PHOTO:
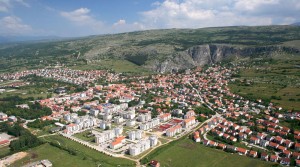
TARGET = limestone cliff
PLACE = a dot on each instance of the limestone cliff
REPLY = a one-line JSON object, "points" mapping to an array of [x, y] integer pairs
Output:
{"points": [[208, 54]]}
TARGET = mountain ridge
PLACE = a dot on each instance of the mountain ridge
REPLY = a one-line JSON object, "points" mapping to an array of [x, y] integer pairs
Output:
{"points": [[150, 49]]}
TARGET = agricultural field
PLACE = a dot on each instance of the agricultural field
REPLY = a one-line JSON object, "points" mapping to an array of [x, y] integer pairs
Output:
{"points": [[186, 153], [276, 80]]}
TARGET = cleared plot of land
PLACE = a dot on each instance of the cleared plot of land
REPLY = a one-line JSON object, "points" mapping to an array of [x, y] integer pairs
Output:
{"points": [[186, 153], [85, 156]]}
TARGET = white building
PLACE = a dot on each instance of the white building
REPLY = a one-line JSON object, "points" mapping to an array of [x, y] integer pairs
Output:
{"points": [[130, 123], [105, 136], [94, 112], [143, 145], [149, 125], [129, 115], [144, 117], [3, 117], [118, 119], [153, 140], [104, 125], [189, 122], [173, 130], [135, 135], [165, 117], [118, 131]]}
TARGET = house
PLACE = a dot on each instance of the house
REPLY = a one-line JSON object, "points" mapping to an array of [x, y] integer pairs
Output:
{"points": [[261, 136], [3, 117], [242, 150], [154, 163], [281, 148], [4, 142], [221, 146], [287, 153], [273, 145], [296, 155], [197, 137], [297, 146], [278, 139], [248, 132], [212, 143], [264, 143], [254, 140], [264, 156], [232, 139], [274, 158], [288, 143], [12, 118], [285, 161], [253, 154]]}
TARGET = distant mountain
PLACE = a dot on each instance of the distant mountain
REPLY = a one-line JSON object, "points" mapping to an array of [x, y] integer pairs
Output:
{"points": [[11, 39], [296, 24]]}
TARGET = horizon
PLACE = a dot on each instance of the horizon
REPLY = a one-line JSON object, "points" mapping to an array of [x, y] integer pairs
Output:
{"points": [[80, 19]]}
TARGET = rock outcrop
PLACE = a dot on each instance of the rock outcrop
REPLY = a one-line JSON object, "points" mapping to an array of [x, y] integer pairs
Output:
{"points": [[208, 54]]}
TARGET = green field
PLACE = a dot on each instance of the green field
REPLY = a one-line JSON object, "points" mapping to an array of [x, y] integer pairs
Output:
{"points": [[4, 150], [186, 153], [83, 136], [85, 156], [276, 80]]}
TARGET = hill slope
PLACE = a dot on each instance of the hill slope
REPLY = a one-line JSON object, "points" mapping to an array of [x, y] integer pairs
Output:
{"points": [[158, 50]]}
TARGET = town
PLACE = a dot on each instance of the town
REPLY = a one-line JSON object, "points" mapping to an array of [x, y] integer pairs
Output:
{"points": [[132, 115]]}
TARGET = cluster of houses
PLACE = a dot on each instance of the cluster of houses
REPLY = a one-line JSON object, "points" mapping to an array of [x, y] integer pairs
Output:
{"points": [[183, 90], [274, 138], [4, 117], [77, 77]]}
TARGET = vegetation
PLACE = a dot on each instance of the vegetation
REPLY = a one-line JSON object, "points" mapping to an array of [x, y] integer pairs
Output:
{"points": [[39, 123], [58, 157], [8, 106], [273, 80], [188, 153], [25, 138], [83, 154], [126, 52]]}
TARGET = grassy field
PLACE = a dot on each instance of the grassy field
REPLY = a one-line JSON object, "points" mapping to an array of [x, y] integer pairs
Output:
{"points": [[186, 153], [4, 150], [276, 80], [83, 136], [85, 156]]}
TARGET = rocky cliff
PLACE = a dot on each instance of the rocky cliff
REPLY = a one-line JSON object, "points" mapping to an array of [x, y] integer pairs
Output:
{"points": [[208, 54]]}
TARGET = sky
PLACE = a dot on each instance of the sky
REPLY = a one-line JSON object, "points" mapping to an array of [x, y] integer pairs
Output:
{"points": [[73, 18]]}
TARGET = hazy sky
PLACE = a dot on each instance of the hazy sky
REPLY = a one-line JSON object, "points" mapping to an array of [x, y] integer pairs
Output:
{"points": [[87, 17]]}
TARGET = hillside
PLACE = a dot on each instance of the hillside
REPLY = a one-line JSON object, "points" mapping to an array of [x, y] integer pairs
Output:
{"points": [[155, 50]]}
